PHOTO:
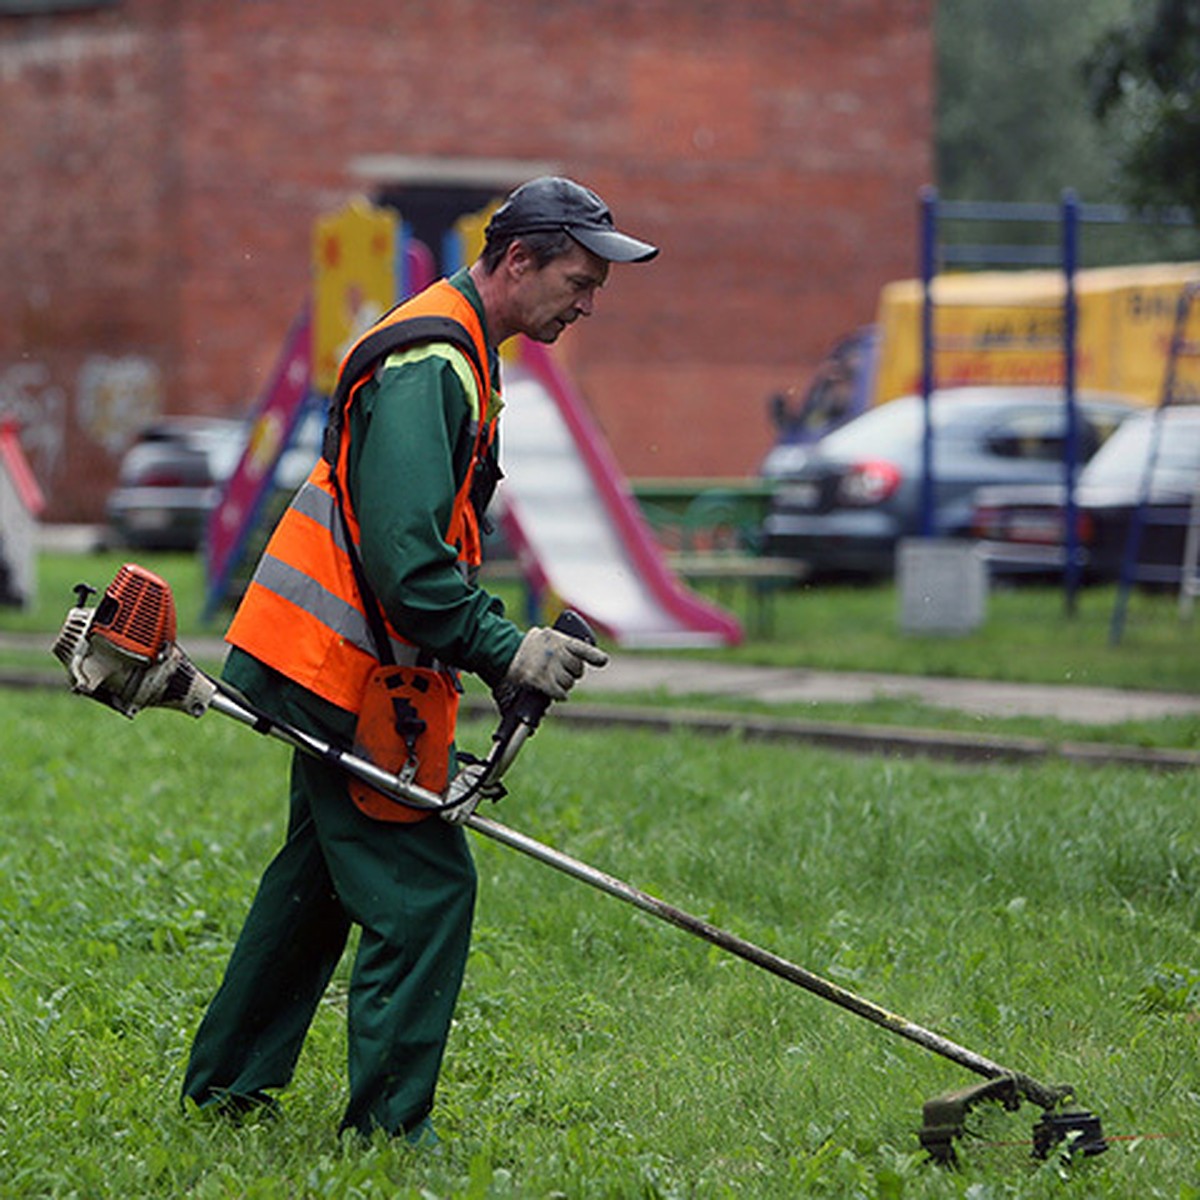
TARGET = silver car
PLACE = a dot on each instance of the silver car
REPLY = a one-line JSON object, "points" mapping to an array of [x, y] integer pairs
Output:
{"points": [[170, 479], [847, 501]]}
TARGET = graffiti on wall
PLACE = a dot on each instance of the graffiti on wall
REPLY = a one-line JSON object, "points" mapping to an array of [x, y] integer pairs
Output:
{"points": [[29, 396], [116, 397]]}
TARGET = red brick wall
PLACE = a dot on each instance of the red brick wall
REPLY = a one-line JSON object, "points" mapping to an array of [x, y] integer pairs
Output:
{"points": [[162, 165]]}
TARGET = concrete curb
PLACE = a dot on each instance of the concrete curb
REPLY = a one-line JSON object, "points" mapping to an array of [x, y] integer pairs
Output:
{"points": [[861, 739], [879, 740]]}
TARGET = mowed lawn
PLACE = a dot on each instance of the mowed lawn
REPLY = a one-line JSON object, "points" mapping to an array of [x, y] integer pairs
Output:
{"points": [[1044, 916]]}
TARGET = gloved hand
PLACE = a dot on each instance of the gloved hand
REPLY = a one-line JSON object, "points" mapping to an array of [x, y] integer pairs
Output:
{"points": [[466, 783], [551, 662]]}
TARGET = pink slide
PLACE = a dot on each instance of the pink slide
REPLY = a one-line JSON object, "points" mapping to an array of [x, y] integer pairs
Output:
{"points": [[576, 528]]}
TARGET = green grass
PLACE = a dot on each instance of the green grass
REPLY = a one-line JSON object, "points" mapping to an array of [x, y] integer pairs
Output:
{"points": [[59, 573], [1044, 916], [1027, 635]]}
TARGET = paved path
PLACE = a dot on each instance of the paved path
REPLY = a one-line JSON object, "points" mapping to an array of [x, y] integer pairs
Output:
{"points": [[684, 677], [647, 675], [642, 674], [641, 679]]}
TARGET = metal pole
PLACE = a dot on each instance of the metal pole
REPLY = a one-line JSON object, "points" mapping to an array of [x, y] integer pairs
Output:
{"points": [[1070, 246], [1038, 1093], [929, 203], [368, 772], [1188, 582]]}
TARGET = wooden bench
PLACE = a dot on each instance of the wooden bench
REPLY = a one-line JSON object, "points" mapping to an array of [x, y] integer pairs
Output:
{"points": [[761, 576], [701, 515]]}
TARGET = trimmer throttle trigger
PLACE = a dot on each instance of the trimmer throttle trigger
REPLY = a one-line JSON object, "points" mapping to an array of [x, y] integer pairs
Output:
{"points": [[573, 625]]}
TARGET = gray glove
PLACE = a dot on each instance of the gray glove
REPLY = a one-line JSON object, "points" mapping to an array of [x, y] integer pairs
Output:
{"points": [[551, 662]]}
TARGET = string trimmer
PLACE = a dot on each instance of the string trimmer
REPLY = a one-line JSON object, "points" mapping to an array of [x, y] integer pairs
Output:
{"points": [[123, 653]]}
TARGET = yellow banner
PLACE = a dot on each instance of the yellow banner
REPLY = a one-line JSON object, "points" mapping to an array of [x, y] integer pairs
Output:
{"points": [[469, 229]]}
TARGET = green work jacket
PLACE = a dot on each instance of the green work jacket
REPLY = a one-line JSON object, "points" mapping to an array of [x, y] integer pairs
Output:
{"points": [[411, 432]]}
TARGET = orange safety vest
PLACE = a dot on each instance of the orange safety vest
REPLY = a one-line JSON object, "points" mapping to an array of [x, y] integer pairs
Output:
{"points": [[303, 613]]}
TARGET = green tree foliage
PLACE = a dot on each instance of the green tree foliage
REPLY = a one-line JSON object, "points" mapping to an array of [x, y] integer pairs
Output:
{"points": [[1144, 83], [1019, 86], [1013, 117]]}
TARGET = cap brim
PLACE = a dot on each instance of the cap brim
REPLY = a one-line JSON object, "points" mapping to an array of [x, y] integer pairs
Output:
{"points": [[613, 246]]}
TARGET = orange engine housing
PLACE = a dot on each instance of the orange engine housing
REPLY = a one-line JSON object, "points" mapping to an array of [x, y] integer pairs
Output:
{"points": [[136, 614]]}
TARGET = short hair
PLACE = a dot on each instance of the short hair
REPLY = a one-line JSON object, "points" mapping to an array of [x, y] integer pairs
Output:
{"points": [[544, 244]]}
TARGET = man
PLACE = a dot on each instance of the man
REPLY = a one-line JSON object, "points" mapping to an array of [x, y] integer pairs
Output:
{"points": [[361, 609]]}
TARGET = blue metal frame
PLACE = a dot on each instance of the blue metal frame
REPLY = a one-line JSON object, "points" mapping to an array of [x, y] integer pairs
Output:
{"points": [[929, 216], [1072, 568], [1066, 255]]}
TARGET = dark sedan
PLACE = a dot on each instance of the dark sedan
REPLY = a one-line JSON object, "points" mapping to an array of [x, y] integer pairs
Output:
{"points": [[855, 494], [170, 479], [1023, 529]]}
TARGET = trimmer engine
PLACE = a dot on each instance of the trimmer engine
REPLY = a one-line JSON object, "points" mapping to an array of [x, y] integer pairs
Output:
{"points": [[123, 652]]}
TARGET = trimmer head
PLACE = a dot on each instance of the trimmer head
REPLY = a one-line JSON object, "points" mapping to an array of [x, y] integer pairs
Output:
{"points": [[946, 1117], [1079, 1128]]}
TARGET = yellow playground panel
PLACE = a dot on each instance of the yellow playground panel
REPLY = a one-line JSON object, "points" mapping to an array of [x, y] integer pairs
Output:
{"points": [[357, 275], [354, 281], [997, 327]]}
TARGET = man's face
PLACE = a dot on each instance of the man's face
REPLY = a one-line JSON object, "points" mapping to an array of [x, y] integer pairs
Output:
{"points": [[547, 299]]}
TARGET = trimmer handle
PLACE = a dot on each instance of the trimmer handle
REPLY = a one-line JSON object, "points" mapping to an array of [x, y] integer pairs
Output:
{"points": [[528, 706]]}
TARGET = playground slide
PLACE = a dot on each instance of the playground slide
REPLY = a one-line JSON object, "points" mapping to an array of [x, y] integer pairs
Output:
{"points": [[577, 531]]}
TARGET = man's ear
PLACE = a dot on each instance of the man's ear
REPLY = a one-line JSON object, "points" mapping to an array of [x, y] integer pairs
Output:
{"points": [[518, 260]]}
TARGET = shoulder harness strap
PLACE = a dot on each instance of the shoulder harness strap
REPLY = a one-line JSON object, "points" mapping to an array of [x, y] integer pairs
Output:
{"points": [[374, 346], [378, 344]]}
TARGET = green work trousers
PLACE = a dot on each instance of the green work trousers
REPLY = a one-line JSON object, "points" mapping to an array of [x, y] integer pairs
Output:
{"points": [[411, 890]]}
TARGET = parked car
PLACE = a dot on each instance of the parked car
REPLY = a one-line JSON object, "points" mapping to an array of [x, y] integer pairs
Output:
{"points": [[845, 504], [1023, 529], [169, 480]]}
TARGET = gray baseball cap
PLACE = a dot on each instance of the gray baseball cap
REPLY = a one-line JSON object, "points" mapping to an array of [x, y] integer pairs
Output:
{"points": [[552, 202]]}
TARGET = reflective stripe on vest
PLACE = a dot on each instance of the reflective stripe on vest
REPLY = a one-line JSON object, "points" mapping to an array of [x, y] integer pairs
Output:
{"points": [[302, 613], [345, 619]]}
